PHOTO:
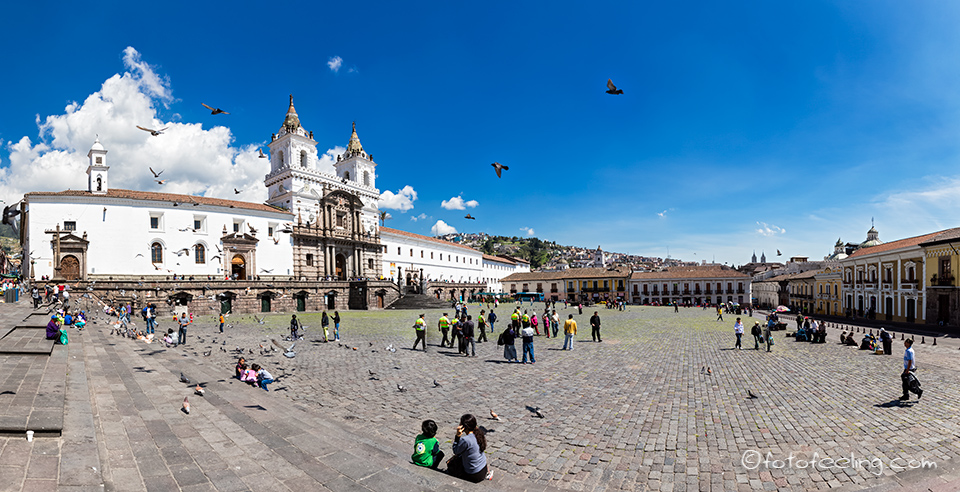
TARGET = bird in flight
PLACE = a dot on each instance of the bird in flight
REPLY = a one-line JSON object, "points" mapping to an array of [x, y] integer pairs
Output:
{"points": [[498, 167], [779, 253], [155, 174], [262, 156], [468, 216], [612, 89], [160, 181], [214, 111], [236, 191], [153, 132]]}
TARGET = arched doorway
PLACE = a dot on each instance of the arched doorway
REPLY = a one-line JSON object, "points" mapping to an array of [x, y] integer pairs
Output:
{"points": [[331, 300], [341, 267], [238, 267], [70, 267]]}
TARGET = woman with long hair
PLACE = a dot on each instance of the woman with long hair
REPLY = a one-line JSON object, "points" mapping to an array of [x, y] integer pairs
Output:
{"points": [[468, 461]]}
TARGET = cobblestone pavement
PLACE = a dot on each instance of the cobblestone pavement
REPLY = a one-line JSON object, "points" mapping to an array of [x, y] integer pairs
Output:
{"points": [[633, 412]]}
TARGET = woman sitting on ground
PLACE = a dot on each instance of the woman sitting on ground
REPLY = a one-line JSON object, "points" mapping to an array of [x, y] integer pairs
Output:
{"points": [[850, 340], [241, 366], [53, 328], [468, 461]]}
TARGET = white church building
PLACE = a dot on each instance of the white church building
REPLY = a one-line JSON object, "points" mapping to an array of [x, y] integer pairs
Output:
{"points": [[314, 226]]}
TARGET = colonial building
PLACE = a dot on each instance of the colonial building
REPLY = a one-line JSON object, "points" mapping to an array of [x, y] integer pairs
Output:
{"points": [[941, 261], [572, 284], [704, 284], [827, 283], [887, 280]]}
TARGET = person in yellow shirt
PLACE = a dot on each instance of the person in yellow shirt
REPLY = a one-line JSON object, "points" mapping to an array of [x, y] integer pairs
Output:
{"points": [[443, 324], [569, 330], [421, 327]]}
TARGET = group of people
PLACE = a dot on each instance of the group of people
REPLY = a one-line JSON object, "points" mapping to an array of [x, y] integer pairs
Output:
{"points": [[810, 330], [760, 334], [469, 443], [59, 321], [255, 375]]}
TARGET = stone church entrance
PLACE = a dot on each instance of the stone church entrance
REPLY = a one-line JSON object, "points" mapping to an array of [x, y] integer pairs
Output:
{"points": [[341, 267], [238, 267], [70, 268]]}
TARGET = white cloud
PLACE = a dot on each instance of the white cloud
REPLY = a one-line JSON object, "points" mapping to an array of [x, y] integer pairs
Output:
{"points": [[441, 228], [335, 63], [418, 217], [662, 214], [195, 160], [458, 203], [527, 230], [402, 200], [769, 229]]}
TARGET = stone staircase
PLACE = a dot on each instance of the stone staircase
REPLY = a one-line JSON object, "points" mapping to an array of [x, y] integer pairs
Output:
{"points": [[419, 301]]}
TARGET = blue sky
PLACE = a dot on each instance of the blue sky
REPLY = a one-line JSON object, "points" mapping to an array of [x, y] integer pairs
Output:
{"points": [[746, 126]]}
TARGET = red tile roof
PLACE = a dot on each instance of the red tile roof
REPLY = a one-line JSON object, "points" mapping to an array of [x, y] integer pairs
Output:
{"points": [[425, 238], [163, 197], [501, 259], [902, 243]]}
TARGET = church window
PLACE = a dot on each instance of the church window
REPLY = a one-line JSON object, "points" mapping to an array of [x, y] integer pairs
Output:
{"points": [[421, 253], [236, 226], [398, 250], [156, 253], [270, 231], [366, 178], [910, 274], [341, 217], [303, 158], [370, 264], [156, 221], [99, 160], [309, 259], [411, 252], [431, 255], [280, 158], [99, 182], [69, 225], [200, 254], [197, 225]]}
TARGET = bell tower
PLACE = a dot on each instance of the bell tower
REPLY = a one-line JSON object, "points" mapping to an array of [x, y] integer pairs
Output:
{"points": [[97, 170], [293, 155], [355, 164]]}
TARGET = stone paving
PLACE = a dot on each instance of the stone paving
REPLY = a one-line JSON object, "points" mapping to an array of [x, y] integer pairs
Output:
{"points": [[630, 413], [634, 412]]}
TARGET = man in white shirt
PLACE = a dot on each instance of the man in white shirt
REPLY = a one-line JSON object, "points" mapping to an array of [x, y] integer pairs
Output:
{"points": [[738, 329], [909, 367]]}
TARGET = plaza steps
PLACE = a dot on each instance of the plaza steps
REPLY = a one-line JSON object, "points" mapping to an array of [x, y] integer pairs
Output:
{"points": [[419, 301], [32, 374], [236, 437]]}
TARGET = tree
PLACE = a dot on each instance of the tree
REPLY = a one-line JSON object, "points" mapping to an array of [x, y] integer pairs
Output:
{"points": [[384, 216]]}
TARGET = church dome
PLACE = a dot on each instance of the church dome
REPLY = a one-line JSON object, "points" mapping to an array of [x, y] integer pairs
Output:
{"points": [[97, 145], [291, 122]]}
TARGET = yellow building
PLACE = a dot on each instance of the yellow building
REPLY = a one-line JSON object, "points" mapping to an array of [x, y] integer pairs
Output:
{"points": [[827, 285], [941, 259]]}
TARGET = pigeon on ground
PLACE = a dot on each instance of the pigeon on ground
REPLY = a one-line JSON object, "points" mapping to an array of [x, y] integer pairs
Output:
{"points": [[186, 405], [184, 378], [207, 353], [436, 384], [709, 371], [703, 370], [198, 390], [538, 412], [499, 167], [214, 110], [751, 394], [401, 388], [494, 416], [612, 89]]}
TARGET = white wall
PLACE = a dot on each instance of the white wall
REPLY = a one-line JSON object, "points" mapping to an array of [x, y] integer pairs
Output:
{"points": [[123, 231], [457, 264]]}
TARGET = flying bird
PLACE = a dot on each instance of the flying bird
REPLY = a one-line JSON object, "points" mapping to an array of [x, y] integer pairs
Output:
{"points": [[153, 132], [155, 174], [264, 270], [236, 191], [499, 167], [262, 156], [161, 181], [778, 253], [612, 89], [260, 320], [494, 416], [252, 229], [468, 216], [186, 406], [214, 111]]}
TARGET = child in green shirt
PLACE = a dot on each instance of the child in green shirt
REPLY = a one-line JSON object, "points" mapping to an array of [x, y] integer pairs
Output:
{"points": [[426, 449]]}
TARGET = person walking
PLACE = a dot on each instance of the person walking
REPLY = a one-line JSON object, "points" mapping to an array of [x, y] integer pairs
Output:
{"points": [[887, 341], [757, 334], [595, 327], [580, 308], [527, 335], [508, 340], [492, 318], [569, 331], [481, 325], [336, 326], [468, 341], [35, 295], [738, 330], [545, 319], [222, 320], [420, 327], [768, 335], [555, 323], [908, 378], [719, 313], [443, 326], [152, 319]]}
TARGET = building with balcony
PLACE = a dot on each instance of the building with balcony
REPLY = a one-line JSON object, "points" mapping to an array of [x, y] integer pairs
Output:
{"points": [[827, 282], [701, 284], [942, 264], [572, 284]]}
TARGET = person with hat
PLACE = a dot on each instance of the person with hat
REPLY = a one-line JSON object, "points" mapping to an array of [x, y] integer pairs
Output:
{"points": [[53, 328], [757, 333], [420, 327]]}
